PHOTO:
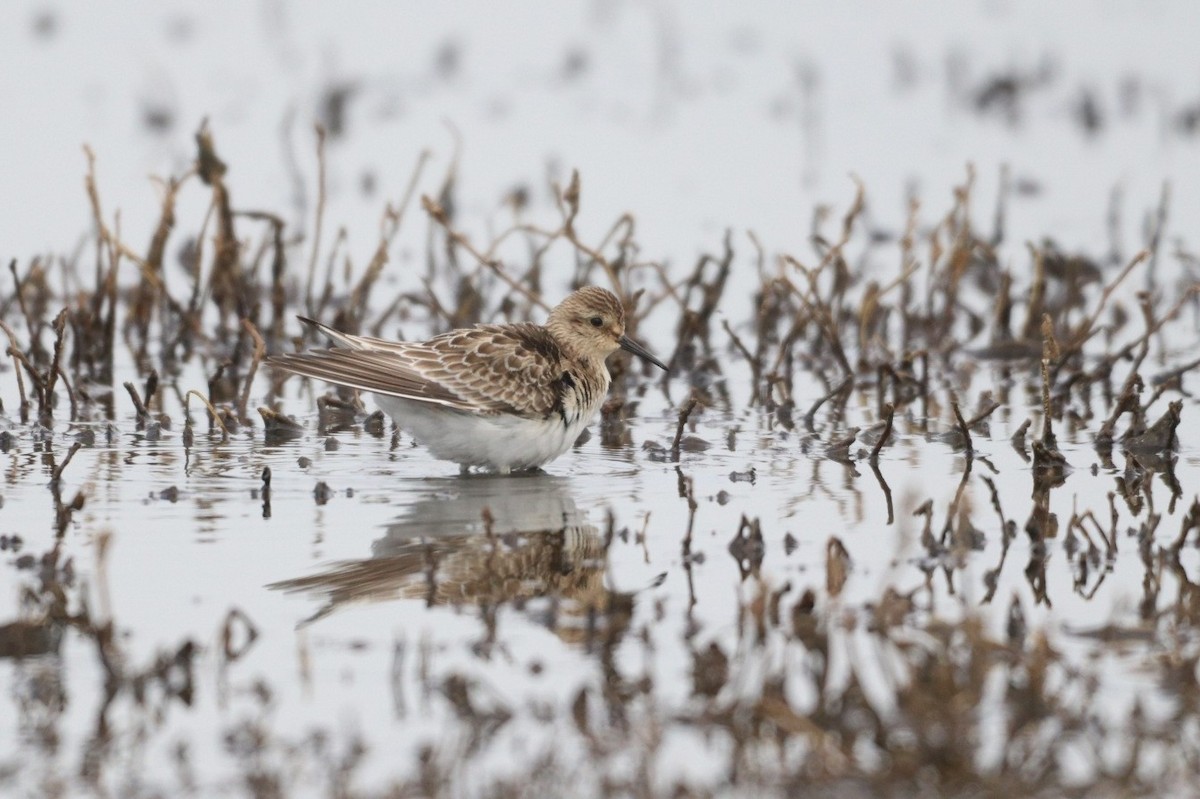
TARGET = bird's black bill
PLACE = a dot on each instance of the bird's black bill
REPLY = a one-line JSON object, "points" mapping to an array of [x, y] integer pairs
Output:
{"points": [[629, 345]]}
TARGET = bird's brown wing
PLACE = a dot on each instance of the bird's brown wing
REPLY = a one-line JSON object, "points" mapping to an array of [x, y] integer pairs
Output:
{"points": [[485, 369]]}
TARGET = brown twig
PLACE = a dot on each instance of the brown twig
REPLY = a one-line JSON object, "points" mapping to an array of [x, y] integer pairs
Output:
{"points": [[58, 470], [962, 427], [810, 417], [684, 413], [13, 350], [260, 350], [438, 214], [211, 410], [889, 411], [1085, 331], [143, 412], [318, 222]]}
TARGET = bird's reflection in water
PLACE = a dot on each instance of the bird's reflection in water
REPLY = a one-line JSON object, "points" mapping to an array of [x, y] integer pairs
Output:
{"points": [[486, 541]]}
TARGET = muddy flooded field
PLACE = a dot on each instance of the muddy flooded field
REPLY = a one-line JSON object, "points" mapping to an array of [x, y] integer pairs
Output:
{"points": [[914, 512]]}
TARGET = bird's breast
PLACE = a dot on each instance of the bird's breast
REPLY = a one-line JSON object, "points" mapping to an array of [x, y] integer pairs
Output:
{"points": [[581, 394]]}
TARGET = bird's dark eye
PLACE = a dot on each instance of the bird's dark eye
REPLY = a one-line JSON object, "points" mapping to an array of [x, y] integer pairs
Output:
{"points": [[596, 321]]}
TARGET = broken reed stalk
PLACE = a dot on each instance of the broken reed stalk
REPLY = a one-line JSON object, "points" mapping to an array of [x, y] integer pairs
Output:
{"points": [[106, 281], [684, 413], [995, 498], [212, 412], [70, 394], [685, 546], [226, 280], [984, 412], [46, 412], [1018, 437], [1037, 292], [197, 296], [260, 350], [156, 252], [1110, 541], [887, 489], [318, 223], [810, 417], [1049, 464], [56, 476], [14, 351], [151, 389], [60, 326], [143, 413], [962, 427], [32, 326], [1049, 353], [110, 293], [889, 412], [1128, 399], [152, 291], [1191, 521], [35, 377]]}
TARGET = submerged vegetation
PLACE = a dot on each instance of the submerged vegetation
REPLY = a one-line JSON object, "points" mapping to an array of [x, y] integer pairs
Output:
{"points": [[928, 682]]}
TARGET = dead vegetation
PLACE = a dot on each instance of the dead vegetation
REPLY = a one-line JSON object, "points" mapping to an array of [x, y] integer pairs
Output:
{"points": [[815, 695]]}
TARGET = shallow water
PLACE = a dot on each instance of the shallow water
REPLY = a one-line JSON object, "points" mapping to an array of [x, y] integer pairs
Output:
{"points": [[364, 602]]}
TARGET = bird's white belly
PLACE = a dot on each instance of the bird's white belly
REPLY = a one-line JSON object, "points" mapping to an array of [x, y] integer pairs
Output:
{"points": [[500, 441]]}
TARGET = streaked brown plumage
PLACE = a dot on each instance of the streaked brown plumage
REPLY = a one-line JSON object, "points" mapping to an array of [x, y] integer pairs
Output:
{"points": [[499, 396]]}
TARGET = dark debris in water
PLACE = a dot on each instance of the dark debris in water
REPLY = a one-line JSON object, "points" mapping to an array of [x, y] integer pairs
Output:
{"points": [[322, 493]]}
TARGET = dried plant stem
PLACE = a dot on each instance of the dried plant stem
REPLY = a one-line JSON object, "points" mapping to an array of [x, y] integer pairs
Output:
{"points": [[58, 470], [889, 412], [260, 350], [438, 214], [30, 324], [143, 412], [754, 363], [318, 222], [684, 413], [810, 417], [570, 197], [14, 350], [962, 427], [211, 410], [35, 377], [60, 326], [1047, 430], [1080, 337]]}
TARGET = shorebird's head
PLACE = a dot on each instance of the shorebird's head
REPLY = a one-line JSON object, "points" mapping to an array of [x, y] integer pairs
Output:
{"points": [[591, 322]]}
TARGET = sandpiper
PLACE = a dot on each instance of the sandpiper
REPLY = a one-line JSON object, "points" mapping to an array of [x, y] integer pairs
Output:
{"points": [[501, 397]]}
